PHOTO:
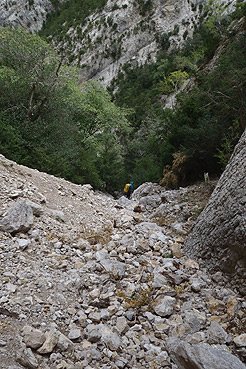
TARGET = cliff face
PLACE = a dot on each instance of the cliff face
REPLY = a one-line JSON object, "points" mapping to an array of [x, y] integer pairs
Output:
{"points": [[132, 36], [27, 13], [132, 32], [124, 32]]}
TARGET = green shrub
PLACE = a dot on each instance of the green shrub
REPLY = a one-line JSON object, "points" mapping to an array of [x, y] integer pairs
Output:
{"points": [[115, 7]]}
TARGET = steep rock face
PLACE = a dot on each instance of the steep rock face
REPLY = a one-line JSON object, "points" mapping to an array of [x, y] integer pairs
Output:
{"points": [[124, 32], [128, 35], [26, 13], [220, 233], [128, 32]]}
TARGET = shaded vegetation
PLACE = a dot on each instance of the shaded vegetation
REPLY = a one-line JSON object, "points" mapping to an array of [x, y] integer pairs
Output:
{"points": [[198, 128], [49, 123]]}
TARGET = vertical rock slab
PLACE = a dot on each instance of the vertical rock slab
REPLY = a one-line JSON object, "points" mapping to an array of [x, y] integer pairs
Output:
{"points": [[219, 236]]}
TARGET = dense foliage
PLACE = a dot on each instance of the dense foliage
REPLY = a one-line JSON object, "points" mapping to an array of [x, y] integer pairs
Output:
{"points": [[203, 127], [49, 123], [69, 14]]}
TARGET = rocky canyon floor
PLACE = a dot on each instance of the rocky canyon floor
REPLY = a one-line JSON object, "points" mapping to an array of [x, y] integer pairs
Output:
{"points": [[91, 282]]}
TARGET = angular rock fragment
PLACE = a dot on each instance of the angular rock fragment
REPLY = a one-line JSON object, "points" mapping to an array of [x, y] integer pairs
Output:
{"points": [[50, 343], [240, 340], [110, 338], [64, 343], [26, 358], [114, 267], [200, 356], [19, 218], [33, 338], [37, 209], [216, 334], [74, 334], [164, 305]]}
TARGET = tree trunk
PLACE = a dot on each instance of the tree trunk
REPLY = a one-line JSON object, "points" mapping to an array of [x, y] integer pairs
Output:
{"points": [[219, 236]]}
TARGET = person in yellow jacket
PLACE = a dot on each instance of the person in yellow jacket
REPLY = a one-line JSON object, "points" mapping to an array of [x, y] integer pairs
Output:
{"points": [[128, 189]]}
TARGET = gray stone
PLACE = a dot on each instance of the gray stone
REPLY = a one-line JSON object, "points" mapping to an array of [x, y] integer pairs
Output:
{"points": [[19, 218], [159, 280], [196, 284], [11, 287], [114, 267], [178, 227], [146, 189], [162, 359], [64, 343], [121, 324], [120, 364], [195, 319], [23, 243], [95, 316], [14, 195], [58, 215], [94, 335], [240, 341], [197, 337], [148, 228], [104, 315], [26, 358], [130, 315], [124, 202], [74, 334], [164, 305], [216, 334], [33, 338], [150, 202], [101, 254], [200, 356], [218, 237], [51, 340], [36, 208], [91, 354], [110, 338]]}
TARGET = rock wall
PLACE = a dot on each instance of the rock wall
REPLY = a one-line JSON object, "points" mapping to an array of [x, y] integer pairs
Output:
{"points": [[124, 32], [219, 236], [26, 13], [126, 35]]}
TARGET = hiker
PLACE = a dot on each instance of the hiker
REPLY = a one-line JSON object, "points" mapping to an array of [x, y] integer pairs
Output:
{"points": [[128, 189]]}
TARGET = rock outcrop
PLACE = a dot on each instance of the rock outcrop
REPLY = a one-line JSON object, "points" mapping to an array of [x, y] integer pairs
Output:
{"points": [[123, 32], [25, 13], [131, 32], [219, 236]]}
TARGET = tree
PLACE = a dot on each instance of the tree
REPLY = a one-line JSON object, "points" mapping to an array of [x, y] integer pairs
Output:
{"points": [[54, 124], [173, 81], [33, 69], [102, 129], [215, 15]]}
